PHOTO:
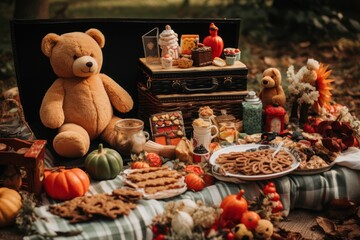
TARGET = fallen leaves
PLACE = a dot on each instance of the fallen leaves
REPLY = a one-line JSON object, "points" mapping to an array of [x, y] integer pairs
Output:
{"points": [[342, 220], [348, 229]]}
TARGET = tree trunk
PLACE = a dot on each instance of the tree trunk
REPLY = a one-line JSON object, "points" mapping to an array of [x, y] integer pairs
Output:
{"points": [[31, 9], [304, 113]]}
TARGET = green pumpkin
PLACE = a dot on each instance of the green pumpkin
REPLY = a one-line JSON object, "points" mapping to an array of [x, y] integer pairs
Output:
{"points": [[103, 163]]}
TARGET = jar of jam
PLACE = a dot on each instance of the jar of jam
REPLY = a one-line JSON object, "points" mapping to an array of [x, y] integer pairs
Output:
{"points": [[252, 113]]}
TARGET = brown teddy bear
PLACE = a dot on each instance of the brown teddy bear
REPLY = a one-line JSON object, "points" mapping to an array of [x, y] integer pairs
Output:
{"points": [[79, 102], [271, 92]]}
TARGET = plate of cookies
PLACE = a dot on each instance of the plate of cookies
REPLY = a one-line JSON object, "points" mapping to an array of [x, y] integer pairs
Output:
{"points": [[156, 182], [314, 165], [252, 162]]}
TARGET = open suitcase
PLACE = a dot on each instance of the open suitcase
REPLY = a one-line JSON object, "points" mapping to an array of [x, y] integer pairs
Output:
{"points": [[121, 53]]}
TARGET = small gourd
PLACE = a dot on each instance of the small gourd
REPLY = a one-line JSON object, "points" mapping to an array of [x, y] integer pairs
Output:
{"points": [[66, 184], [103, 163], [10, 204]]}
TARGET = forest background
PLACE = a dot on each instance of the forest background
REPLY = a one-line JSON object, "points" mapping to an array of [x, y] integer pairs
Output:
{"points": [[274, 33]]}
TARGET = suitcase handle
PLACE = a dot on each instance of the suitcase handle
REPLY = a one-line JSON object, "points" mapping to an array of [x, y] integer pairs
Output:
{"points": [[214, 82]]}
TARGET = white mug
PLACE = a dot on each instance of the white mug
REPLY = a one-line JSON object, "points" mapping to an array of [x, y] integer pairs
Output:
{"points": [[204, 135]]}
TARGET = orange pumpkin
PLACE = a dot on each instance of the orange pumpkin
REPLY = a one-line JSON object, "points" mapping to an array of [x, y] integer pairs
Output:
{"points": [[10, 204], [65, 184], [139, 164], [194, 182], [233, 206], [250, 219]]}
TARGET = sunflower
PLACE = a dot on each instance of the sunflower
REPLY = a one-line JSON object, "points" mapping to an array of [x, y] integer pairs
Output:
{"points": [[324, 88]]}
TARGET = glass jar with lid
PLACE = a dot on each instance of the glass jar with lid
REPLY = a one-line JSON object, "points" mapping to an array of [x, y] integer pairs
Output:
{"points": [[252, 113]]}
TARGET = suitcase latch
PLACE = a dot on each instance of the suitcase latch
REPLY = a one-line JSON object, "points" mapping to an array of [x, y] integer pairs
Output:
{"points": [[176, 85], [227, 81]]}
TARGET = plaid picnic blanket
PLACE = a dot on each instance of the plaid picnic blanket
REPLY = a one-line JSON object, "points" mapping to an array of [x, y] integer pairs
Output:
{"points": [[296, 191]]}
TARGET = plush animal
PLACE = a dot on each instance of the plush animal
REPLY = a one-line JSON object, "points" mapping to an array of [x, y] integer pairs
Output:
{"points": [[80, 101], [264, 229], [271, 92], [310, 75]]}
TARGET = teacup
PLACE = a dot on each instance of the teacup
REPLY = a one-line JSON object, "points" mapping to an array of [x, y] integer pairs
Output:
{"points": [[203, 135], [130, 136]]}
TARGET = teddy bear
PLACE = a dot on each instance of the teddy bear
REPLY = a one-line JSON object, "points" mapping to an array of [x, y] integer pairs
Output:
{"points": [[310, 72], [80, 101], [271, 92]]}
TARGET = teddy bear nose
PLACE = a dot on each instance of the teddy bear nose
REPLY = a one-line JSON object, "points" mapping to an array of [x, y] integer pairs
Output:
{"points": [[89, 64], [265, 82]]}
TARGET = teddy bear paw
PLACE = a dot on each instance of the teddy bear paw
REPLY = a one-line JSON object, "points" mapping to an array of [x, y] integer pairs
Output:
{"points": [[71, 144]]}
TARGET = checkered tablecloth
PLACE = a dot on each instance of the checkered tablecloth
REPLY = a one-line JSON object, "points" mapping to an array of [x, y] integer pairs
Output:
{"points": [[296, 191]]}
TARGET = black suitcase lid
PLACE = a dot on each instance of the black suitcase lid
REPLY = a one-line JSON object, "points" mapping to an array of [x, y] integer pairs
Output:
{"points": [[122, 50]]}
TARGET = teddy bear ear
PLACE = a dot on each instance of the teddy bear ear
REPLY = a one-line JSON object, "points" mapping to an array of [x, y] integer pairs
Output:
{"points": [[97, 36], [48, 42], [276, 72]]}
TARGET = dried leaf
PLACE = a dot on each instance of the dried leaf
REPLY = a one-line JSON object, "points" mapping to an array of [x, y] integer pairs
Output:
{"points": [[338, 81], [327, 54], [287, 61], [355, 24], [305, 44], [327, 225], [270, 61]]}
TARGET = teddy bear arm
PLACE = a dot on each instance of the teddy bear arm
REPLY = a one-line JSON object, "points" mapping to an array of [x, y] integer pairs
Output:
{"points": [[51, 111], [260, 94], [280, 97], [118, 96]]}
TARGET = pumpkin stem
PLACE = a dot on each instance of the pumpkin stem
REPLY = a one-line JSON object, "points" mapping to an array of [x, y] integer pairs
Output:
{"points": [[100, 149], [240, 194]]}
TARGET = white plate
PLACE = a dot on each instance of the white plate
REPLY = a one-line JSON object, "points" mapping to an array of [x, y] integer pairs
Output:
{"points": [[312, 171], [161, 194], [243, 148]]}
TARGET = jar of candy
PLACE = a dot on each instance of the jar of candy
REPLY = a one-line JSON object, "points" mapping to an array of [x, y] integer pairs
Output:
{"points": [[252, 113]]}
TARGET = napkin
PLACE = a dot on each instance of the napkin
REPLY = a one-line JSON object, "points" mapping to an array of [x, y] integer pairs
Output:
{"points": [[349, 158]]}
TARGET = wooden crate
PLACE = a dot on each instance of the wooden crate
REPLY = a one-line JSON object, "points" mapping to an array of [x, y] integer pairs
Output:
{"points": [[32, 161]]}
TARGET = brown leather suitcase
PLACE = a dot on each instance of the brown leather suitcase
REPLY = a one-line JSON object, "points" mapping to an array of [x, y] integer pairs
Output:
{"points": [[204, 79]]}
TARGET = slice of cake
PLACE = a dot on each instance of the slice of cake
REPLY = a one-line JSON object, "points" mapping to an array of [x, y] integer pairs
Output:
{"points": [[201, 55]]}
